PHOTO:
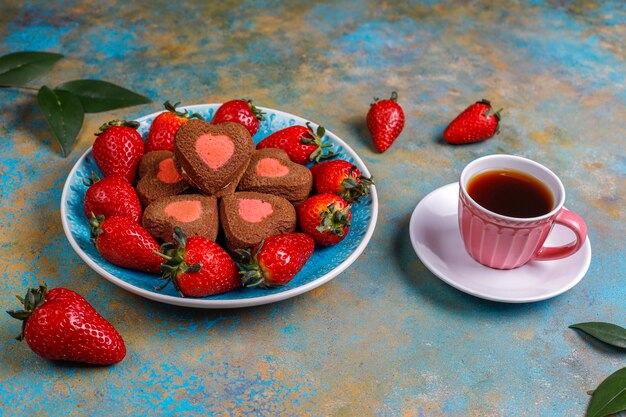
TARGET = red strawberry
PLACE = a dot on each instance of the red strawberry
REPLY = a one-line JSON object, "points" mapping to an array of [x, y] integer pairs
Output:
{"points": [[125, 243], [111, 196], [342, 178], [198, 267], [385, 121], [164, 127], [276, 260], [118, 149], [325, 217], [61, 325], [476, 123], [301, 143], [239, 111]]}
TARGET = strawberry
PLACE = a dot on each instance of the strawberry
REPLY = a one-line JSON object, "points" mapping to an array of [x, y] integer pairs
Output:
{"points": [[239, 111], [164, 127], [301, 143], [385, 121], [118, 149], [342, 178], [111, 196], [61, 325], [198, 267], [276, 260], [125, 243], [325, 217], [476, 123]]}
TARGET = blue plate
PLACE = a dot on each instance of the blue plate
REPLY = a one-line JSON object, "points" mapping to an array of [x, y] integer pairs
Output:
{"points": [[324, 264]]}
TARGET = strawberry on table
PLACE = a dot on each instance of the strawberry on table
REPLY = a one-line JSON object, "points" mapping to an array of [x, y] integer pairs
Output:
{"points": [[342, 178], [302, 143], [111, 196], [239, 111], [125, 243], [164, 127], [118, 149], [197, 266], [276, 260], [385, 121], [476, 123], [325, 217], [61, 325]]}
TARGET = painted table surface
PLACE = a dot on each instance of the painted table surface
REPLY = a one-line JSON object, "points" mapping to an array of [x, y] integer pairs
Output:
{"points": [[386, 337]]}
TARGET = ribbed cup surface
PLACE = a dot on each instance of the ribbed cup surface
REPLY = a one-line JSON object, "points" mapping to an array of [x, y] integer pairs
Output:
{"points": [[500, 243]]}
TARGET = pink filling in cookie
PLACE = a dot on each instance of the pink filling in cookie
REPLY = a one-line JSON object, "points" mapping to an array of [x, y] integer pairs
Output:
{"points": [[184, 211], [215, 150], [167, 172], [271, 167], [254, 211]]}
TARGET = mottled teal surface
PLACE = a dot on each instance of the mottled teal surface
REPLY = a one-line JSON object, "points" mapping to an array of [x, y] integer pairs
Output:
{"points": [[386, 337]]}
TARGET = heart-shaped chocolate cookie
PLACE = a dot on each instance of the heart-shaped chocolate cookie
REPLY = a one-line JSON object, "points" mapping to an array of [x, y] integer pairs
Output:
{"points": [[271, 171], [158, 177], [196, 214], [249, 217], [212, 158]]}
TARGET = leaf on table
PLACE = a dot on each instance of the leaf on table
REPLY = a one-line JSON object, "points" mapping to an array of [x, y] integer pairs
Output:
{"points": [[610, 396], [18, 68], [64, 114], [98, 96], [609, 333]]}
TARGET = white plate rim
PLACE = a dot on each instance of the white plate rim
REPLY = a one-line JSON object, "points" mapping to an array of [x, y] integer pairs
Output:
{"points": [[468, 290], [235, 303]]}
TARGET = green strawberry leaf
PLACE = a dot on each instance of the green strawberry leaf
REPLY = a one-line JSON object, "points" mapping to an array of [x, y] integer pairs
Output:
{"points": [[18, 68], [609, 333], [610, 396], [97, 96], [64, 114]]}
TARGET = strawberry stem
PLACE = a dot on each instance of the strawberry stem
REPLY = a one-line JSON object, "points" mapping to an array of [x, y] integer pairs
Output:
{"points": [[31, 301], [258, 113], [127, 123], [334, 220], [91, 180], [95, 224], [174, 264], [355, 187], [251, 274], [316, 139], [172, 109]]}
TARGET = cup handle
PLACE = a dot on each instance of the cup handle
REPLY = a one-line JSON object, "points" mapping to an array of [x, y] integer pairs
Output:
{"points": [[577, 225]]}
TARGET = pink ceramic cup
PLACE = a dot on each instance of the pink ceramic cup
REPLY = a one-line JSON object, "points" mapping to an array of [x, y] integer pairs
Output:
{"points": [[504, 242]]}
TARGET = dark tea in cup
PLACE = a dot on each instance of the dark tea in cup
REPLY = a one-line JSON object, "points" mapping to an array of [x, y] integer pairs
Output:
{"points": [[510, 193]]}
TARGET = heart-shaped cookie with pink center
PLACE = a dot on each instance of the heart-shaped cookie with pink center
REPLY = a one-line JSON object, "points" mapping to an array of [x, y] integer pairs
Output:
{"points": [[196, 214], [248, 217], [158, 177], [271, 171], [212, 157]]}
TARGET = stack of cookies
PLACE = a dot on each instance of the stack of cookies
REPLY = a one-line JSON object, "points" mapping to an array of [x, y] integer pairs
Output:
{"points": [[215, 177]]}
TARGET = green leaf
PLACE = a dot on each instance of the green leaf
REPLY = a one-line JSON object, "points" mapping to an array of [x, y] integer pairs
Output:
{"points": [[609, 333], [64, 114], [610, 396], [98, 96], [18, 68]]}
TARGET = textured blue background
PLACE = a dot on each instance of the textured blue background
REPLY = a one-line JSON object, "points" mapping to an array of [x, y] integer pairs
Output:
{"points": [[386, 337]]}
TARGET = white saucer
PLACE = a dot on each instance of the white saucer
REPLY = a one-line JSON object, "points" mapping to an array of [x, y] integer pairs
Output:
{"points": [[435, 236]]}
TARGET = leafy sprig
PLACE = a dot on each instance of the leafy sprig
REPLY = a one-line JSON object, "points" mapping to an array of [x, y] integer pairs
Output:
{"points": [[64, 106], [610, 396]]}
